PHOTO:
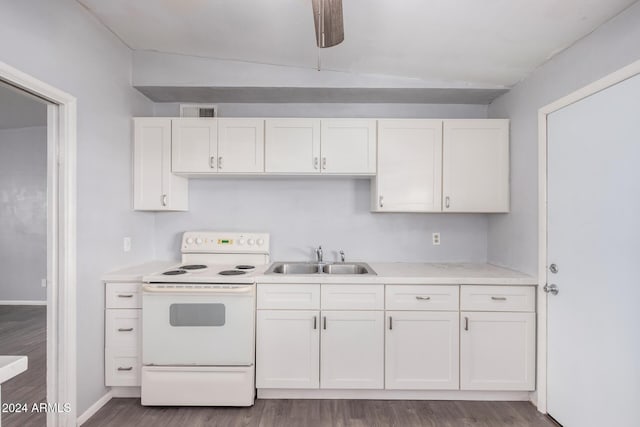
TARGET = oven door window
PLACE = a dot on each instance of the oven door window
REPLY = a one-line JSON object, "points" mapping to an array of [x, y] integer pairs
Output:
{"points": [[211, 314]]}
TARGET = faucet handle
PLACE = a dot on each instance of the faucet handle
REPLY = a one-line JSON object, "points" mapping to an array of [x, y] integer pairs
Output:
{"points": [[342, 257]]}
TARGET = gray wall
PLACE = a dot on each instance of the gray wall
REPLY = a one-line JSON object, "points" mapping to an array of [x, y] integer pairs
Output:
{"points": [[61, 43], [23, 213], [513, 238], [301, 213]]}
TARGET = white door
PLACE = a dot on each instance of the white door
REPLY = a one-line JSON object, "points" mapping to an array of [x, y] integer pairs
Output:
{"points": [[409, 175], [292, 145], [475, 170], [194, 145], [352, 350], [422, 350], [348, 146], [288, 349], [497, 351], [593, 376], [240, 145]]}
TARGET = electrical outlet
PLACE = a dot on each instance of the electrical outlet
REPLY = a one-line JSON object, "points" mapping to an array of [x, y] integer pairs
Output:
{"points": [[126, 244], [436, 239]]}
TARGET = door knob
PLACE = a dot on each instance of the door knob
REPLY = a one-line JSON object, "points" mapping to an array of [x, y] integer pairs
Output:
{"points": [[551, 289]]}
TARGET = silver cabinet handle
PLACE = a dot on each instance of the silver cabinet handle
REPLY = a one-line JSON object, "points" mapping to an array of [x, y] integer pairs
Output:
{"points": [[125, 329], [212, 162], [551, 289], [390, 323], [128, 368], [499, 298], [164, 200], [381, 201], [421, 298], [466, 323], [324, 322], [315, 322], [447, 202], [125, 295], [315, 163], [220, 162], [324, 163]]}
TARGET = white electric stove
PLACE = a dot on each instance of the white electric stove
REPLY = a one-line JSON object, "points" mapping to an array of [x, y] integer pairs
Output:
{"points": [[198, 322]]}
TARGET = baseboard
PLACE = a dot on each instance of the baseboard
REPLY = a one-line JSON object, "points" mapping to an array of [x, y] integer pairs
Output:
{"points": [[393, 394], [22, 302], [84, 417], [125, 391]]}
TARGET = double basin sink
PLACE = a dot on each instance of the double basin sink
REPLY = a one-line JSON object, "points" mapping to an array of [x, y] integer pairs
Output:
{"points": [[320, 268]]}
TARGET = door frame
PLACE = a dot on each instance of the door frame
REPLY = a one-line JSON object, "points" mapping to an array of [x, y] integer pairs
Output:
{"points": [[540, 395], [61, 241]]}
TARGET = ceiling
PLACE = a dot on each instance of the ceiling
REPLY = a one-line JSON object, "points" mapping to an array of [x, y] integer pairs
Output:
{"points": [[490, 42], [19, 110]]}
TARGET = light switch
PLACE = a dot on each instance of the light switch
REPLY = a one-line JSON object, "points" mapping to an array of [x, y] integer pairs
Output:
{"points": [[126, 244]]}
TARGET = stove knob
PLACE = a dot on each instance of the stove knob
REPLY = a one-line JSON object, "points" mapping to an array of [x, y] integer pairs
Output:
{"points": [[250, 242], [260, 242], [241, 242], [189, 240], [198, 241]]}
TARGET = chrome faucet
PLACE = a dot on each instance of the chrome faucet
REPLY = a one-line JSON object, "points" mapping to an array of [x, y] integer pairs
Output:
{"points": [[319, 255], [341, 256]]}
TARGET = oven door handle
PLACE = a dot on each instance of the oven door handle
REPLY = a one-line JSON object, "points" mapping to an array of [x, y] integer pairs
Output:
{"points": [[149, 288]]}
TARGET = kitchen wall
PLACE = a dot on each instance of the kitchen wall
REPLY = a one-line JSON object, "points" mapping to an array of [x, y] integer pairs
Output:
{"points": [[60, 43], [513, 238], [301, 213], [23, 212]]}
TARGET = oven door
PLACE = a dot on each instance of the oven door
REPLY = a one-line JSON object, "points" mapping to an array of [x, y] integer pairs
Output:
{"points": [[204, 325]]}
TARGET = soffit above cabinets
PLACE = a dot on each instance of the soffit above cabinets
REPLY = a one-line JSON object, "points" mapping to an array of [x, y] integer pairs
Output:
{"points": [[477, 42]]}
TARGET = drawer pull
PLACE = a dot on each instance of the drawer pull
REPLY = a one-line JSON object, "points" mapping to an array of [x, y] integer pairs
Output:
{"points": [[421, 298], [125, 295], [128, 368], [125, 329], [499, 298]]}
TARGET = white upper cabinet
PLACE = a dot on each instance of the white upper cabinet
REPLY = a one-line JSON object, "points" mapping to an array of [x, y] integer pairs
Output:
{"points": [[476, 166], [155, 188], [240, 145], [409, 177], [292, 146], [194, 145], [348, 146]]}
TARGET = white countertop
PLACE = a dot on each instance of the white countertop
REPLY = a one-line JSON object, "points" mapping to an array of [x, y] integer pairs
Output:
{"points": [[10, 366], [387, 273]]}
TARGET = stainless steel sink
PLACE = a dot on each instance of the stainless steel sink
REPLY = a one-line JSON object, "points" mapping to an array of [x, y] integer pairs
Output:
{"points": [[318, 268], [348, 268]]}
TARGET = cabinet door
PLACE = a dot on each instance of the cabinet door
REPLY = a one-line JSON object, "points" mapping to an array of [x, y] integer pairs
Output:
{"points": [[476, 166], [348, 146], [422, 350], [240, 145], [409, 175], [194, 145], [352, 350], [292, 145], [154, 186], [287, 349], [497, 351]]}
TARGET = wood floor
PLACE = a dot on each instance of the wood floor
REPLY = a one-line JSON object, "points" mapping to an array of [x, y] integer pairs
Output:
{"points": [[338, 413], [23, 332]]}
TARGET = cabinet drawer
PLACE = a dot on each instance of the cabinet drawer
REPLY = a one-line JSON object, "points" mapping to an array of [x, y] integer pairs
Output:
{"points": [[122, 328], [123, 295], [497, 298], [122, 367], [422, 297], [288, 297], [352, 297]]}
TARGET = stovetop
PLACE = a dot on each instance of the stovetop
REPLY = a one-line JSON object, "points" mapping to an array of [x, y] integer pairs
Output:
{"points": [[207, 273]]}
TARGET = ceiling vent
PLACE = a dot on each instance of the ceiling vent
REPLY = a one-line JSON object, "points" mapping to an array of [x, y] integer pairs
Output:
{"points": [[198, 110]]}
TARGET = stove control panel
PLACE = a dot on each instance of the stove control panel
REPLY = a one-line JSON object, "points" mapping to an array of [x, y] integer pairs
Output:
{"points": [[224, 242]]}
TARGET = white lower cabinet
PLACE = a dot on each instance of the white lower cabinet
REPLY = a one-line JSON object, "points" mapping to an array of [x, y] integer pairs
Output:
{"points": [[288, 349], [497, 351], [422, 350], [352, 350]]}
